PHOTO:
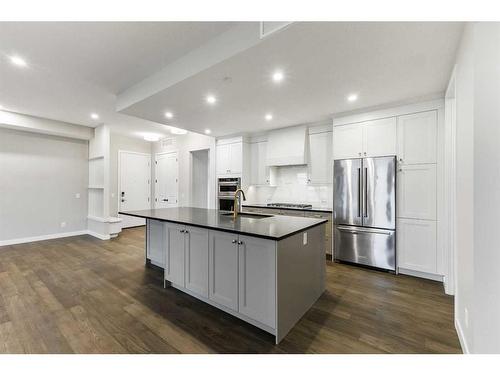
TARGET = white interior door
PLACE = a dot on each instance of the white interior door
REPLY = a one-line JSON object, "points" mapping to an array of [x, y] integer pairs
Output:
{"points": [[167, 177], [134, 180]]}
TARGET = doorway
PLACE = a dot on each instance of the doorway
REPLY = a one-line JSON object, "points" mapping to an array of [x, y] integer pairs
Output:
{"points": [[166, 180], [200, 178], [134, 190]]}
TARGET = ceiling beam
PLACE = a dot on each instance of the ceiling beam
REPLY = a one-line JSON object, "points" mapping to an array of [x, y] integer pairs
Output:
{"points": [[218, 49], [40, 125]]}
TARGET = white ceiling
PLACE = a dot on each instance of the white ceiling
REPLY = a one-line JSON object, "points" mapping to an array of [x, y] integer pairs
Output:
{"points": [[323, 63], [78, 68]]}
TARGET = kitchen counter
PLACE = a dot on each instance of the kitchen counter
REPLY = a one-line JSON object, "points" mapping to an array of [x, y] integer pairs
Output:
{"points": [[267, 271], [313, 209], [273, 228]]}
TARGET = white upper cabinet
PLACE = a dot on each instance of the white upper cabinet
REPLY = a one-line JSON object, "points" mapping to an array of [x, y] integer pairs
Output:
{"points": [[259, 171], [348, 141], [417, 191], [379, 137], [365, 139], [223, 159], [417, 138], [320, 151], [229, 158], [236, 158], [416, 245]]}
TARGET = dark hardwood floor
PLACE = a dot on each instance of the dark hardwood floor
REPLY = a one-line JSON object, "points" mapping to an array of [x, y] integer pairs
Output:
{"points": [[84, 295]]}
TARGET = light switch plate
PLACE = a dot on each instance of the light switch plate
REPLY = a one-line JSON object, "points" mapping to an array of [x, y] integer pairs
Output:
{"points": [[77, 195], [304, 238]]}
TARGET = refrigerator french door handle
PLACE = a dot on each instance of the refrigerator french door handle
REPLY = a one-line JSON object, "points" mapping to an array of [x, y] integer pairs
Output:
{"points": [[365, 203], [360, 197]]}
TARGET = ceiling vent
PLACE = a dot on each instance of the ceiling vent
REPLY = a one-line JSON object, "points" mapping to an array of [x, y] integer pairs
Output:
{"points": [[269, 27]]}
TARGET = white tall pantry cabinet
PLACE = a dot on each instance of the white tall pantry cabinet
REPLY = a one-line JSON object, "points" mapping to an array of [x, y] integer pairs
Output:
{"points": [[413, 135]]}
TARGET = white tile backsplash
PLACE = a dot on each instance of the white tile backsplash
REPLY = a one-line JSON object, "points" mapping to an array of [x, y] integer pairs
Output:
{"points": [[291, 186]]}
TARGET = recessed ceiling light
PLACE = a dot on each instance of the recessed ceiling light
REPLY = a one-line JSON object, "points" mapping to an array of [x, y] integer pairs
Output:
{"points": [[169, 115], [151, 137], [269, 117], [211, 99], [18, 61], [278, 76], [208, 131], [352, 97], [178, 131], [94, 116]]}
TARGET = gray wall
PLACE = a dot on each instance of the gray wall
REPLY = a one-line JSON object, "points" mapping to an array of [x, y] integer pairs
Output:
{"points": [[39, 178]]}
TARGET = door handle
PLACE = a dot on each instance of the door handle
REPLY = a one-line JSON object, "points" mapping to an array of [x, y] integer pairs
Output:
{"points": [[123, 200], [366, 192], [360, 198]]}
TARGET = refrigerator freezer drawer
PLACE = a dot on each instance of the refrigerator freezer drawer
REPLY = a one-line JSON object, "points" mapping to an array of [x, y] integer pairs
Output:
{"points": [[367, 246]]}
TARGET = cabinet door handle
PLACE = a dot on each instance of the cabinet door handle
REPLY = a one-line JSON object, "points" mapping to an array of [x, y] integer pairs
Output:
{"points": [[234, 241], [182, 231], [240, 242], [186, 231]]}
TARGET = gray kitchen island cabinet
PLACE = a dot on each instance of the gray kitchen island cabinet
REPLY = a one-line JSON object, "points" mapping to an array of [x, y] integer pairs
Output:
{"points": [[267, 271]]}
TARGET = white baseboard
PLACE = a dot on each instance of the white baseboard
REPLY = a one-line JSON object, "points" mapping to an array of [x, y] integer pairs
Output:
{"points": [[16, 241], [461, 337], [98, 235], [423, 275]]}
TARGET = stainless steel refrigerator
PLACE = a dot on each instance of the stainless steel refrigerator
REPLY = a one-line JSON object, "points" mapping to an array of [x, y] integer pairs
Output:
{"points": [[365, 211]]}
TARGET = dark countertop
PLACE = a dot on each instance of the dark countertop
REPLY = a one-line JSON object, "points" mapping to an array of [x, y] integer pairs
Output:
{"points": [[313, 209], [272, 228]]}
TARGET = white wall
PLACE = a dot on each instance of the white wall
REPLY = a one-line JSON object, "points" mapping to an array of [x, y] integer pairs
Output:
{"points": [[39, 177], [184, 144], [486, 337], [123, 143], [477, 291], [464, 184]]}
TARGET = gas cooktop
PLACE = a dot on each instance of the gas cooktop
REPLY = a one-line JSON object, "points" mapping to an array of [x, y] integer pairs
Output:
{"points": [[289, 205]]}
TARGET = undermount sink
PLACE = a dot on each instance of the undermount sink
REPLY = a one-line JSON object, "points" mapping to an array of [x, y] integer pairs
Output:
{"points": [[249, 215]]}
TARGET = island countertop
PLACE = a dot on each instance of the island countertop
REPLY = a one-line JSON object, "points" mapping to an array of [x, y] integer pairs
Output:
{"points": [[273, 228]]}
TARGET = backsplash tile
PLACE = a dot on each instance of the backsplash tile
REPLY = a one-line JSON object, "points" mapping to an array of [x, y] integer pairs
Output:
{"points": [[291, 186]]}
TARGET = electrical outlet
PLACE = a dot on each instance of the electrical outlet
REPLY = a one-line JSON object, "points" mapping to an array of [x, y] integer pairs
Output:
{"points": [[112, 195], [466, 315], [63, 224], [77, 195]]}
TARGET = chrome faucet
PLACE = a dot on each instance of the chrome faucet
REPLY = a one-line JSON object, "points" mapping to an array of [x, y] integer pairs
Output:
{"points": [[237, 202]]}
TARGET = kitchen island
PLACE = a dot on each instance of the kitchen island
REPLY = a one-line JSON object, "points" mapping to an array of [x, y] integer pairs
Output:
{"points": [[266, 270]]}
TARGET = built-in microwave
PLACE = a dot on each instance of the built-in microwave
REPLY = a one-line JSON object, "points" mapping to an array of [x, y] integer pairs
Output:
{"points": [[228, 186]]}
